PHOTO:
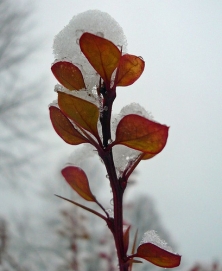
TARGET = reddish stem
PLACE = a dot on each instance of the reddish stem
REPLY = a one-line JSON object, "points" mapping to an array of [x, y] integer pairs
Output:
{"points": [[117, 226]]}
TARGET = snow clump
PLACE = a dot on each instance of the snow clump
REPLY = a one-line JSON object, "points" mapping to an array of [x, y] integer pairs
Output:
{"points": [[66, 43], [152, 237]]}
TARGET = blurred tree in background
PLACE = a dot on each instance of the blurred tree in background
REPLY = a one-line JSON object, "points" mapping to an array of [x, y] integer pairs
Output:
{"points": [[22, 125], [7, 261], [21, 121]]}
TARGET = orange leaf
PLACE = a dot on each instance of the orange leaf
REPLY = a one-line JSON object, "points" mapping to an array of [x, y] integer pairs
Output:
{"points": [[64, 128], [129, 70], [68, 75], [126, 239], [141, 134], [158, 256], [101, 53], [82, 112], [78, 180]]}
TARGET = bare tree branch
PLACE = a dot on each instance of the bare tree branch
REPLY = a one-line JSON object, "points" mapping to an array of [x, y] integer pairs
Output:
{"points": [[21, 121]]}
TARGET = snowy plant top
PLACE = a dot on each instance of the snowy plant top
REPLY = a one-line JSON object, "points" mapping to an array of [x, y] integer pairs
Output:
{"points": [[66, 42], [91, 62]]}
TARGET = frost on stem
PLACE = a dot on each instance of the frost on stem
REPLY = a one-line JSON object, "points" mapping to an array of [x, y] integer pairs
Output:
{"points": [[66, 42], [153, 237]]}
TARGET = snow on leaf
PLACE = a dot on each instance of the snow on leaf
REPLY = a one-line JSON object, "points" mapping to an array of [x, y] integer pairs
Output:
{"points": [[64, 128], [158, 256], [102, 54], [66, 42], [81, 112], [129, 70], [152, 237], [85, 94], [68, 75], [123, 156], [156, 251], [78, 180], [141, 134]]}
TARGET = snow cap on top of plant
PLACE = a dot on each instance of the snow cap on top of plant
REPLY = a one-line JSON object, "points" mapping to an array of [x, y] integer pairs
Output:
{"points": [[66, 43]]}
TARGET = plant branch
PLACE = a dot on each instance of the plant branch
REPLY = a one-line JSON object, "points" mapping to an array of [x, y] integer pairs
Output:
{"points": [[107, 157], [83, 207]]}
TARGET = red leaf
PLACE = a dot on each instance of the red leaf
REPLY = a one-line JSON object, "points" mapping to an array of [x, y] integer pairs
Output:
{"points": [[78, 180], [158, 256], [68, 75], [141, 134], [64, 128], [101, 53], [129, 70], [82, 112]]}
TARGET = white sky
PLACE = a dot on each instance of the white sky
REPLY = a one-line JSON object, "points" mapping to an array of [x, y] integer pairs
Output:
{"points": [[181, 43]]}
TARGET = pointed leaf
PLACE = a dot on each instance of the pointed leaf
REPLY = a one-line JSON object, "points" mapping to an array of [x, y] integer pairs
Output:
{"points": [[78, 180], [101, 53], [141, 134], [82, 112], [64, 128], [129, 70], [134, 242], [133, 250], [126, 239], [158, 256], [68, 75]]}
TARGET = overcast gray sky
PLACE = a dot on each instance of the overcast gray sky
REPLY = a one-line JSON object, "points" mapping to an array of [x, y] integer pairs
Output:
{"points": [[181, 43]]}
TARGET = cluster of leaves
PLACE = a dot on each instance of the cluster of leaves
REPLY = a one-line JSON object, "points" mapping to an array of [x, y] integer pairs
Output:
{"points": [[76, 121]]}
